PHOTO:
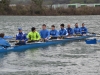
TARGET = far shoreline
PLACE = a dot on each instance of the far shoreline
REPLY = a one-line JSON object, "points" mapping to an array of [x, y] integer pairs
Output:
{"points": [[49, 15]]}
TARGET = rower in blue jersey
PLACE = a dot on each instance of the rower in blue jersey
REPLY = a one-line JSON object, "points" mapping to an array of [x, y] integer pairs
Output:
{"points": [[77, 29], [44, 33], [21, 37], [3, 43], [83, 29], [53, 32], [69, 30], [63, 31]]}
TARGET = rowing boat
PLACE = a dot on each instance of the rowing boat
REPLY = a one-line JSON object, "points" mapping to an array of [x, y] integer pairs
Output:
{"points": [[42, 44]]}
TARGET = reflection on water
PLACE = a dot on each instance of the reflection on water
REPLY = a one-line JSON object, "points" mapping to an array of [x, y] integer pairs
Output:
{"points": [[73, 58]]}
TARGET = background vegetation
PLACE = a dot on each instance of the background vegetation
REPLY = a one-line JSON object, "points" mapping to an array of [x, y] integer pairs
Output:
{"points": [[37, 7]]}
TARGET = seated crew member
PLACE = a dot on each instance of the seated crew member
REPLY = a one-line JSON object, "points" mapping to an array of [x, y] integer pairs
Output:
{"points": [[44, 33], [63, 32], [69, 30], [3, 43], [33, 36], [77, 30], [83, 29], [21, 37], [53, 32]]}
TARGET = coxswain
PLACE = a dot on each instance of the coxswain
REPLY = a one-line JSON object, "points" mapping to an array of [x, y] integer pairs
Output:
{"points": [[21, 37]]}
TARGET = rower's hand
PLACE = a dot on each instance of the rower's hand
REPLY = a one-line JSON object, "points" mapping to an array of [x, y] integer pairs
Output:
{"points": [[23, 40], [17, 41], [50, 35], [46, 38]]}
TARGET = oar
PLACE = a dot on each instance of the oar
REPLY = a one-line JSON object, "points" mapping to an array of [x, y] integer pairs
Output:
{"points": [[8, 37], [11, 41], [94, 33], [92, 41], [97, 34]]}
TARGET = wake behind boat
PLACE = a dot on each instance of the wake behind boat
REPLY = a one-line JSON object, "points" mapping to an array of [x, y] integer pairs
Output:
{"points": [[43, 44]]}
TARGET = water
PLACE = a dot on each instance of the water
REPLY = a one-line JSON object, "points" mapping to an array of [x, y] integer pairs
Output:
{"points": [[74, 58]]}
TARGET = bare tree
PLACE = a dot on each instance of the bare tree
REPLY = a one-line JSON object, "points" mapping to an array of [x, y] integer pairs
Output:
{"points": [[4, 6], [38, 3]]}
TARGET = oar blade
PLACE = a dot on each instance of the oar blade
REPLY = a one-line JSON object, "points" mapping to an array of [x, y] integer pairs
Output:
{"points": [[98, 40], [91, 41]]}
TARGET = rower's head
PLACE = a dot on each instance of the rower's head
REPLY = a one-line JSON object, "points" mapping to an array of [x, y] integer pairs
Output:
{"points": [[2, 35], [76, 25], [53, 27], [83, 24], [33, 29], [62, 26], [43, 26], [20, 30], [68, 26]]}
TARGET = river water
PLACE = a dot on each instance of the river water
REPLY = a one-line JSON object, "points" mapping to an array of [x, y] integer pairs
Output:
{"points": [[74, 58]]}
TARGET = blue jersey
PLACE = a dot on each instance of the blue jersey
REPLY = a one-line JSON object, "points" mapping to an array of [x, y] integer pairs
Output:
{"points": [[4, 43], [83, 30], [54, 33], [77, 30], [44, 34], [62, 32], [21, 36], [70, 31]]}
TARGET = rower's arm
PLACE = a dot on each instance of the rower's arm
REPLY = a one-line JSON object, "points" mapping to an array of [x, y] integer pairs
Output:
{"points": [[48, 35], [16, 37], [66, 32], [79, 30], [25, 37], [57, 33], [86, 30], [72, 32], [38, 36], [28, 36]]}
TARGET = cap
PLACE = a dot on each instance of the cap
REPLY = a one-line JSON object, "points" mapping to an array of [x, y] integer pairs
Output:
{"points": [[19, 28]]}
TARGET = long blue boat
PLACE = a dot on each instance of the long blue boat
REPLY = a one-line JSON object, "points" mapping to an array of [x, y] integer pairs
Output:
{"points": [[42, 44]]}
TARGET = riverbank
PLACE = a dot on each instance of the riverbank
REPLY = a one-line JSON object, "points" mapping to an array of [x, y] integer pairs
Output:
{"points": [[45, 11]]}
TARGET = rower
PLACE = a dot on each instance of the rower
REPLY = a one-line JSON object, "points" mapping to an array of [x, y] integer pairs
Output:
{"points": [[53, 32], [83, 29], [3, 43], [62, 32], [44, 33], [21, 37], [77, 30], [33, 36], [70, 30]]}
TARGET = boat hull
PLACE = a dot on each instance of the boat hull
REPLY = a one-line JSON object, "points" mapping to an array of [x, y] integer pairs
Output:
{"points": [[42, 44]]}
